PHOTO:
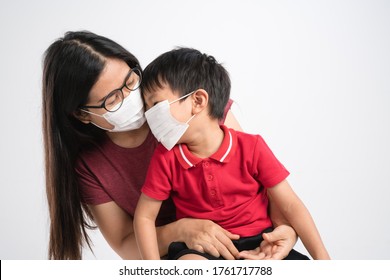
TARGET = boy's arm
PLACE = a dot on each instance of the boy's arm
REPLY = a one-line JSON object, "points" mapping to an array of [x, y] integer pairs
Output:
{"points": [[299, 217], [276, 214], [144, 227]]}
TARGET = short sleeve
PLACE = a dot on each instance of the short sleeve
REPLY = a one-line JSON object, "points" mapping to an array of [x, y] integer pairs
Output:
{"points": [[267, 168], [158, 183], [91, 190]]}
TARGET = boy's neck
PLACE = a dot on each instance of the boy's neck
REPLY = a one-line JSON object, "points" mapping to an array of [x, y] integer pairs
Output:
{"points": [[206, 139]]}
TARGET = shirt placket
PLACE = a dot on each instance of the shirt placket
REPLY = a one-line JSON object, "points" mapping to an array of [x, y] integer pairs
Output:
{"points": [[212, 184]]}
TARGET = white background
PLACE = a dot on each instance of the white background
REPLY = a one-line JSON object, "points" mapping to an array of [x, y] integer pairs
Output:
{"points": [[312, 77]]}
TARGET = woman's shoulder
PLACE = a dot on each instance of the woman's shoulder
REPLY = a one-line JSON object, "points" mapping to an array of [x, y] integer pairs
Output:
{"points": [[247, 136]]}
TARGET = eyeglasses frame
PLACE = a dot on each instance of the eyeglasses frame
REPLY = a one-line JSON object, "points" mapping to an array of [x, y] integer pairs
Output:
{"points": [[103, 105]]}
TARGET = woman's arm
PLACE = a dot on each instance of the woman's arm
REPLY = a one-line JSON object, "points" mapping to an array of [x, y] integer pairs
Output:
{"points": [[297, 214], [203, 235], [116, 227], [231, 121]]}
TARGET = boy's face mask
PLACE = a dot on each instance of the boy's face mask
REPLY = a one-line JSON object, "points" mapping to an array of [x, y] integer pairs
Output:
{"points": [[164, 126]]}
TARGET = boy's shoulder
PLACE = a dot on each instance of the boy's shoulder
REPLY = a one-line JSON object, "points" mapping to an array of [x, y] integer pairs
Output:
{"points": [[249, 143]]}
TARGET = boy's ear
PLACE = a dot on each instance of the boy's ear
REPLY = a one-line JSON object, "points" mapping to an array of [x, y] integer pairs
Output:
{"points": [[82, 116], [200, 101]]}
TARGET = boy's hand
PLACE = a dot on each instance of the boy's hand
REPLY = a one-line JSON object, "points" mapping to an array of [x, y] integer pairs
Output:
{"points": [[275, 246]]}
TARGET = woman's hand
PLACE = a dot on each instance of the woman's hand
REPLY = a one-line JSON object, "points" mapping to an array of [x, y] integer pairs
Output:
{"points": [[207, 237], [275, 246]]}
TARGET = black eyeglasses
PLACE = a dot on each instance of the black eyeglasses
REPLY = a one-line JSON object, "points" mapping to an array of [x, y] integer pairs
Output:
{"points": [[114, 100]]}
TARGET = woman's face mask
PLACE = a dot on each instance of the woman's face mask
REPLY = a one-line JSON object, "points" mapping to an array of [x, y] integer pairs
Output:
{"points": [[129, 116], [164, 126]]}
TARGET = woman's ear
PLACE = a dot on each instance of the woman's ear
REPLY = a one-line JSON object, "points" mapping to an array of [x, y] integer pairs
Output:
{"points": [[82, 116], [200, 101]]}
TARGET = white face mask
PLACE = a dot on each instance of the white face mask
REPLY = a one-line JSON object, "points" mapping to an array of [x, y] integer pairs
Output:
{"points": [[164, 126], [129, 116]]}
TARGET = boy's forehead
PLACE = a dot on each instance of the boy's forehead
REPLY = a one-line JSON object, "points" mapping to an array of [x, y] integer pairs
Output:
{"points": [[155, 92], [164, 92]]}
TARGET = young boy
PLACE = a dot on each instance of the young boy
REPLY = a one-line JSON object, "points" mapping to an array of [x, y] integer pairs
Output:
{"points": [[210, 171]]}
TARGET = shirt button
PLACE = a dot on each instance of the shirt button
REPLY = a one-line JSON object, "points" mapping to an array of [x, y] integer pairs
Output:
{"points": [[210, 177], [206, 164], [212, 192]]}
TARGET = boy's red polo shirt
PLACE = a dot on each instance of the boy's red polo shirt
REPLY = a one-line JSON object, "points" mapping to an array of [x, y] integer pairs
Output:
{"points": [[227, 188]]}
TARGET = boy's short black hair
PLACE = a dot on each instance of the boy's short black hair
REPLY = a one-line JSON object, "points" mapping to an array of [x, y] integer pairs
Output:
{"points": [[185, 70]]}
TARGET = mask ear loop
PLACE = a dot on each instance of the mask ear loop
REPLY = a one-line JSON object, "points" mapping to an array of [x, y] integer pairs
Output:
{"points": [[190, 119], [92, 113], [184, 96], [106, 129]]}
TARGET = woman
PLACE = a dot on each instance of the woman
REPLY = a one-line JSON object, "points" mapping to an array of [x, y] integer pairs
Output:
{"points": [[97, 149]]}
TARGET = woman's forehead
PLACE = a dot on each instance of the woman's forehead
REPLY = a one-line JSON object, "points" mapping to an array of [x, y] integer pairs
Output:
{"points": [[111, 78]]}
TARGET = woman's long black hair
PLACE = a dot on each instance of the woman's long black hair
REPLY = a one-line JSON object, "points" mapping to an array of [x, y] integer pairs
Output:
{"points": [[71, 66]]}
